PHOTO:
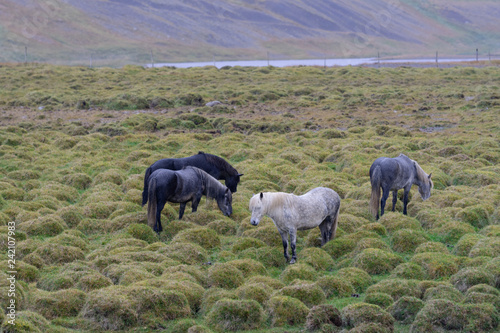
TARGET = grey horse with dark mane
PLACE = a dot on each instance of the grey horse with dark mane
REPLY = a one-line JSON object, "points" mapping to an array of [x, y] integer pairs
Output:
{"points": [[317, 208], [392, 174], [188, 184]]}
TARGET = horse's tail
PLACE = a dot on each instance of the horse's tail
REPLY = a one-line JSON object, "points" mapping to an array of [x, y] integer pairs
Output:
{"points": [[146, 182], [152, 204], [335, 222], [375, 178]]}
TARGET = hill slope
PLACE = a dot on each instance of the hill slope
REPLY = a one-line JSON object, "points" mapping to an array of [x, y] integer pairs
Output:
{"points": [[124, 31]]}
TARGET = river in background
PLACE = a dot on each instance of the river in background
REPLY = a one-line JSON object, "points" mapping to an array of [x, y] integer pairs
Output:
{"points": [[313, 62]]}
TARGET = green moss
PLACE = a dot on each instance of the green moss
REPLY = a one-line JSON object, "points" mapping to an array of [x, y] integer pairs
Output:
{"points": [[142, 232], [443, 291], [27, 321], [267, 280], [376, 261], [357, 314], [410, 271], [396, 288], [359, 278], [378, 298], [452, 231], [224, 227], [298, 271], [439, 314], [407, 240], [335, 287], [285, 310], [432, 247], [268, 234], [393, 221], [259, 292], [213, 295], [249, 267], [225, 275], [308, 293], [323, 316], [468, 277], [481, 317], [339, 247], [235, 315], [244, 243], [63, 303], [49, 225], [406, 308], [436, 265], [489, 247], [205, 237], [186, 253], [317, 258], [268, 256]]}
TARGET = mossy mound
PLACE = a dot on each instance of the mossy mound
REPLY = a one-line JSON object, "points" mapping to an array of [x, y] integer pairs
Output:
{"points": [[259, 292], [308, 293], [235, 315], [376, 261], [317, 258], [357, 314], [197, 273], [438, 315], [225, 227], [407, 240], [225, 275], [351, 223], [339, 247], [383, 300], [48, 225], [62, 303], [452, 231], [243, 243], [298, 271], [203, 236], [268, 256], [93, 281], [405, 309], [285, 310], [432, 247], [409, 270], [489, 247], [249, 267], [186, 253], [72, 215], [436, 265], [443, 291], [393, 221], [324, 317], [359, 278], [397, 288], [267, 280], [27, 321], [481, 317], [471, 276], [142, 232], [370, 243], [268, 234], [334, 286], [57, 254]]}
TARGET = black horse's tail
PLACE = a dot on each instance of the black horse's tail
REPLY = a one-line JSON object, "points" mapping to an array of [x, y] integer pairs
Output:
{"points": [[152, 204], [146, 182], [375, 179]]}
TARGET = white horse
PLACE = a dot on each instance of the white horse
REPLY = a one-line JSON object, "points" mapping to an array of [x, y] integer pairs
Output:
{"points": [[289, 212]]}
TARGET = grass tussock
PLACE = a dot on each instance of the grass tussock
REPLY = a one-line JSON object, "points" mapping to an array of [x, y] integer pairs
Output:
{"points": [[71, 180]]}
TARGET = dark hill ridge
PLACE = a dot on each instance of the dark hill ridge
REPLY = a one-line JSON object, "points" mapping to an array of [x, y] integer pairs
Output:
{"points": [[184, 30]]}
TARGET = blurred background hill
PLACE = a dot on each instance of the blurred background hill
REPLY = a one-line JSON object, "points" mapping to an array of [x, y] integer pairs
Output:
{"points": [[118, 32]]}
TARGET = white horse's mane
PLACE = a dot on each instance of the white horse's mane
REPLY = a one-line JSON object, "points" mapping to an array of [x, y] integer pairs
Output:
{"points": [[274, 202]]}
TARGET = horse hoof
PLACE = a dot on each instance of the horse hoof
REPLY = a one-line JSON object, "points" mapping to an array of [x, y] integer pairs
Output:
{"points": [[293, 261]]}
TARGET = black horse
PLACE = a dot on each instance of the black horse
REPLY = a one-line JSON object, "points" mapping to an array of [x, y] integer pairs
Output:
{"points": [[188, 184], [392, 174], [215, 166]]}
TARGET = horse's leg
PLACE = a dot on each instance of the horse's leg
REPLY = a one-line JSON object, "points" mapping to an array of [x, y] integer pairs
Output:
{"points": [[284, 239], [405, 199], [160, 206], [293, 240], [196, 202], [181, 209], [385, 195], [325, 228], [394, 199]]}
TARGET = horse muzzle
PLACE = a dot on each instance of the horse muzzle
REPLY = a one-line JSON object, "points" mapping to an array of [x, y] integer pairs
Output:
{"points": [[254, 222]]}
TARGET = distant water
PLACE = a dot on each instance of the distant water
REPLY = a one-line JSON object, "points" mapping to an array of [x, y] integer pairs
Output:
{"points": [[305, 62]]}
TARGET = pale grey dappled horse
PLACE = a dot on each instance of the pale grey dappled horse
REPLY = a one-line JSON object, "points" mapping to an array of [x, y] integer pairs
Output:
{"points": [[392, 174], [289, 212]]}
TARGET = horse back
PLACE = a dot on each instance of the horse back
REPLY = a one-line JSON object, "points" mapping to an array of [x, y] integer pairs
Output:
{"points": [[395, 172]]}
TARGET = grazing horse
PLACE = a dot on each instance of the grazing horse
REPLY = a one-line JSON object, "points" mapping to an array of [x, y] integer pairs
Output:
{"points": [[289, 212], [392, 174], [215, 166], [188, 184]]}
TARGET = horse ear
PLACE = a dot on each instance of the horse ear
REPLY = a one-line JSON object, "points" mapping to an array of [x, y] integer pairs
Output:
{"points": [[261, 195], [240, 174], [429, 176]]}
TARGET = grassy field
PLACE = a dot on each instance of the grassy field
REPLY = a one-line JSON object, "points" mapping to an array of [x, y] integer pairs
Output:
{"points": [[75, 143]]}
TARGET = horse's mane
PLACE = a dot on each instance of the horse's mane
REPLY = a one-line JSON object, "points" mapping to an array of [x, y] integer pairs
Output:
{"points": [[220, 163], [274, 202], [421, 175], [210, 182]]}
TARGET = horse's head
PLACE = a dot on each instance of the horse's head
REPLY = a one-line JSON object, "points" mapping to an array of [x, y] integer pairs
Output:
{"points": [[425, 187], [232, 182], [225, 202], [256, 206]]}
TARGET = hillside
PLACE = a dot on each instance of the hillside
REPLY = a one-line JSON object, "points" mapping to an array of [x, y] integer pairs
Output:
{"points": [[126, 31]]}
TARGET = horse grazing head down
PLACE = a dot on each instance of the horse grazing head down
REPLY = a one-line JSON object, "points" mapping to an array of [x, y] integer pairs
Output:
{"points": [[225, 202], [425, 183]]}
